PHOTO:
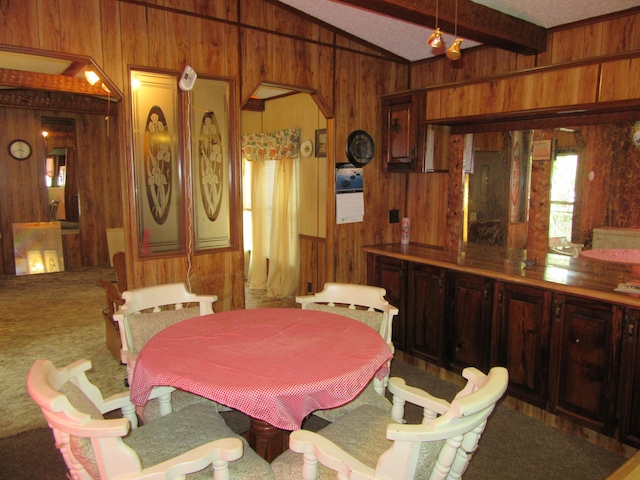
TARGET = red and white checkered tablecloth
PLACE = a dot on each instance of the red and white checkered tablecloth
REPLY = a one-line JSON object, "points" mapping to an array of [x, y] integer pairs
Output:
{"points": [[274, 364]]}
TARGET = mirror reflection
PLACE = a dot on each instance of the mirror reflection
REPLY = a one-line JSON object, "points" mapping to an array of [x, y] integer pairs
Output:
{"points": [[564, 185], [60, 178], [497, 188]]}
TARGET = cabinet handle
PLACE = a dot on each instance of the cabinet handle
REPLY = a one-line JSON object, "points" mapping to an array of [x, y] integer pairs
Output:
{"points": [[413, 154], [557, 309], [500, 296], [630, 325]]}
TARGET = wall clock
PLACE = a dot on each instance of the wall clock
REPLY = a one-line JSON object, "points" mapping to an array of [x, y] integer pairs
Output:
{"points": [[360, 148], [19, 149]]}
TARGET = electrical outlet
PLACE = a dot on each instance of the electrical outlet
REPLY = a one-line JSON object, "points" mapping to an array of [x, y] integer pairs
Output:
{"points": [[394, 216]]}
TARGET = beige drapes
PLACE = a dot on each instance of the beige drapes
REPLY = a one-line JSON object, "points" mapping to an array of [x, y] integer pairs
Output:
{"points": [[274, 220]]}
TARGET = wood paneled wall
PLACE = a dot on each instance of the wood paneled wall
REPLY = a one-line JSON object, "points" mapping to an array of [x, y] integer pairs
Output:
{"points": [[255, 41], [252, 41], [615, 35]]}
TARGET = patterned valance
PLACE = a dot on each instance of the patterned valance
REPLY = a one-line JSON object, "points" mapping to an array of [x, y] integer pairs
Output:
{"points": [[271, 146]]}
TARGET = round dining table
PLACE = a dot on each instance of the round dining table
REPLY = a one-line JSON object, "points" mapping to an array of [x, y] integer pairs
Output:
{"points": [[276, 365]]}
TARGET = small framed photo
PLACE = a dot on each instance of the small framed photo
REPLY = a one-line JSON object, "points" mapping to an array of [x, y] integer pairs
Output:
{"points": [[542, 150], [321, 142]]}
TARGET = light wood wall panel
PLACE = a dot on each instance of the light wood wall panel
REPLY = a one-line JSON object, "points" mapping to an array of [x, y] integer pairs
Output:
{"points": [[617, 35], [359, 84], [536, 91]]}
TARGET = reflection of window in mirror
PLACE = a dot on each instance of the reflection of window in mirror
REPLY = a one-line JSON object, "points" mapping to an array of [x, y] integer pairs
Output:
{"points": [[563, 194]]}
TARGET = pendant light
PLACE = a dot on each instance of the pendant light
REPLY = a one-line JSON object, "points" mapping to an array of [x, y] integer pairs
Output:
{"points": [[453, 53], [435, 40]]}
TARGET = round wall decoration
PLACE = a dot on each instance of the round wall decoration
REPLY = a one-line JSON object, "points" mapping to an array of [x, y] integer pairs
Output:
{"points": [[306, 149], [360, 148], [19, 149]]}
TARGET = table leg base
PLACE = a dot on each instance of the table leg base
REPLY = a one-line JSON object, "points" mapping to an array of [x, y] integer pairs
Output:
{"points": [[268, 441]]}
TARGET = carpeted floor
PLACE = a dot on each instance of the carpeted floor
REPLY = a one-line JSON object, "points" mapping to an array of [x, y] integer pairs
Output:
{"points": [[58, 316]]}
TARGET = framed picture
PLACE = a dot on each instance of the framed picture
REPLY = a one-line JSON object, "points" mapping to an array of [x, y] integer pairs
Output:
{"points": [[213, 170], [321, 143], [157, 163]]}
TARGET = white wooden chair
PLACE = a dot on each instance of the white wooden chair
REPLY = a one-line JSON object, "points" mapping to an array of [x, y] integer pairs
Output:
{"points": [[196, 439], [366, 304], [368, 443], [145, 312]]}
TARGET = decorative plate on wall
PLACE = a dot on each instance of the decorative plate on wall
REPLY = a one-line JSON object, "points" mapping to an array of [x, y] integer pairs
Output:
{"points": [[306, 149], [360, 148]]}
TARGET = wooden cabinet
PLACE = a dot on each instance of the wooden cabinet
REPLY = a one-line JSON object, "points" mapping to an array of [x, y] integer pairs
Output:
{"points": [[408, 143], [402, 138], [583, 372], [576, 357], [629, 393], [426, 293], [389, 273], [468, 328], [521, 329]]}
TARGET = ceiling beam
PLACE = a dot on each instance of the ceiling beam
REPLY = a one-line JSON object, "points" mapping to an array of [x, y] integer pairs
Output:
{"points": [[44, 81], [475, 22]]}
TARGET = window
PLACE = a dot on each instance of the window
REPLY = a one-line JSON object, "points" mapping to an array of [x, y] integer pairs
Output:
{"points": [[563, 196]]}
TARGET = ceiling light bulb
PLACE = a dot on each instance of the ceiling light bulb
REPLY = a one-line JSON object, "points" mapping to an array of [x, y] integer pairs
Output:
{"points": [[91, 77], [454, 50], [435, 40]]}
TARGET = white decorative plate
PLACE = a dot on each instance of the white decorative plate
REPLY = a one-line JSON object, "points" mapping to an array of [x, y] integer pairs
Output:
{"points": [[306, 149]]}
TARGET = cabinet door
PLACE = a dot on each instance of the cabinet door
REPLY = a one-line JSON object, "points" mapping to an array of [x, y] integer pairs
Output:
{"points": [[585, 341], [468, 328], [426, 288], [521, 340], [629, 398], [389, 273], [401, 135]]}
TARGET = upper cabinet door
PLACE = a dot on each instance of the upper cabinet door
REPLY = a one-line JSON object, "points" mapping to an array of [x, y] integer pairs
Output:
{"points": [[402, 149]]}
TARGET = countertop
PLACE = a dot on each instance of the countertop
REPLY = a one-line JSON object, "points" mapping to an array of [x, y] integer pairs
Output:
{"points": [[578, 276]]}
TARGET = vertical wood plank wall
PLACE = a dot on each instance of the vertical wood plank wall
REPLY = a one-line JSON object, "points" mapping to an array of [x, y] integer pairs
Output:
{"points": [[255, 41], [615, 35], [252, 41]]}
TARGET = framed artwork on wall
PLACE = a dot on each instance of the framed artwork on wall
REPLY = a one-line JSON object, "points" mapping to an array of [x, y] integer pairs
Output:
{"points": [[321, 142]]}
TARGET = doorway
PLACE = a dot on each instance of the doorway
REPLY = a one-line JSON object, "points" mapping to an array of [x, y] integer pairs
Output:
{"points": [[286, 110]]}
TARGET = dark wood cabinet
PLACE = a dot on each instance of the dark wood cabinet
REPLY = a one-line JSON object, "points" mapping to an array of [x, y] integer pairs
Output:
{"points": [[402, 135], [585, 355], [521, 335], [629, 393], [426, 294], [468, 328], [574, 356], [389, 273]]}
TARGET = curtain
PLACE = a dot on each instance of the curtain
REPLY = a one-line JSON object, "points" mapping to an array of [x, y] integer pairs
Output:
{"points": [[274, 158]]}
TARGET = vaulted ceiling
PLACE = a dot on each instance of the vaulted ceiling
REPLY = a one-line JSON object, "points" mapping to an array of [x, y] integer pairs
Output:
{"points": [[402, 27]]}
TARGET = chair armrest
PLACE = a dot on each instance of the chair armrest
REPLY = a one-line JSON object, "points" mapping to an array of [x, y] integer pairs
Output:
{"points": [[218, 453], [115, 402], [327, 453], [417, 396]]}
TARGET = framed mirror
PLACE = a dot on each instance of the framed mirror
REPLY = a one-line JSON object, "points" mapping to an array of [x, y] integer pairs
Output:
{"points": [[158, 168], [574, 180], [213, 172]]}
